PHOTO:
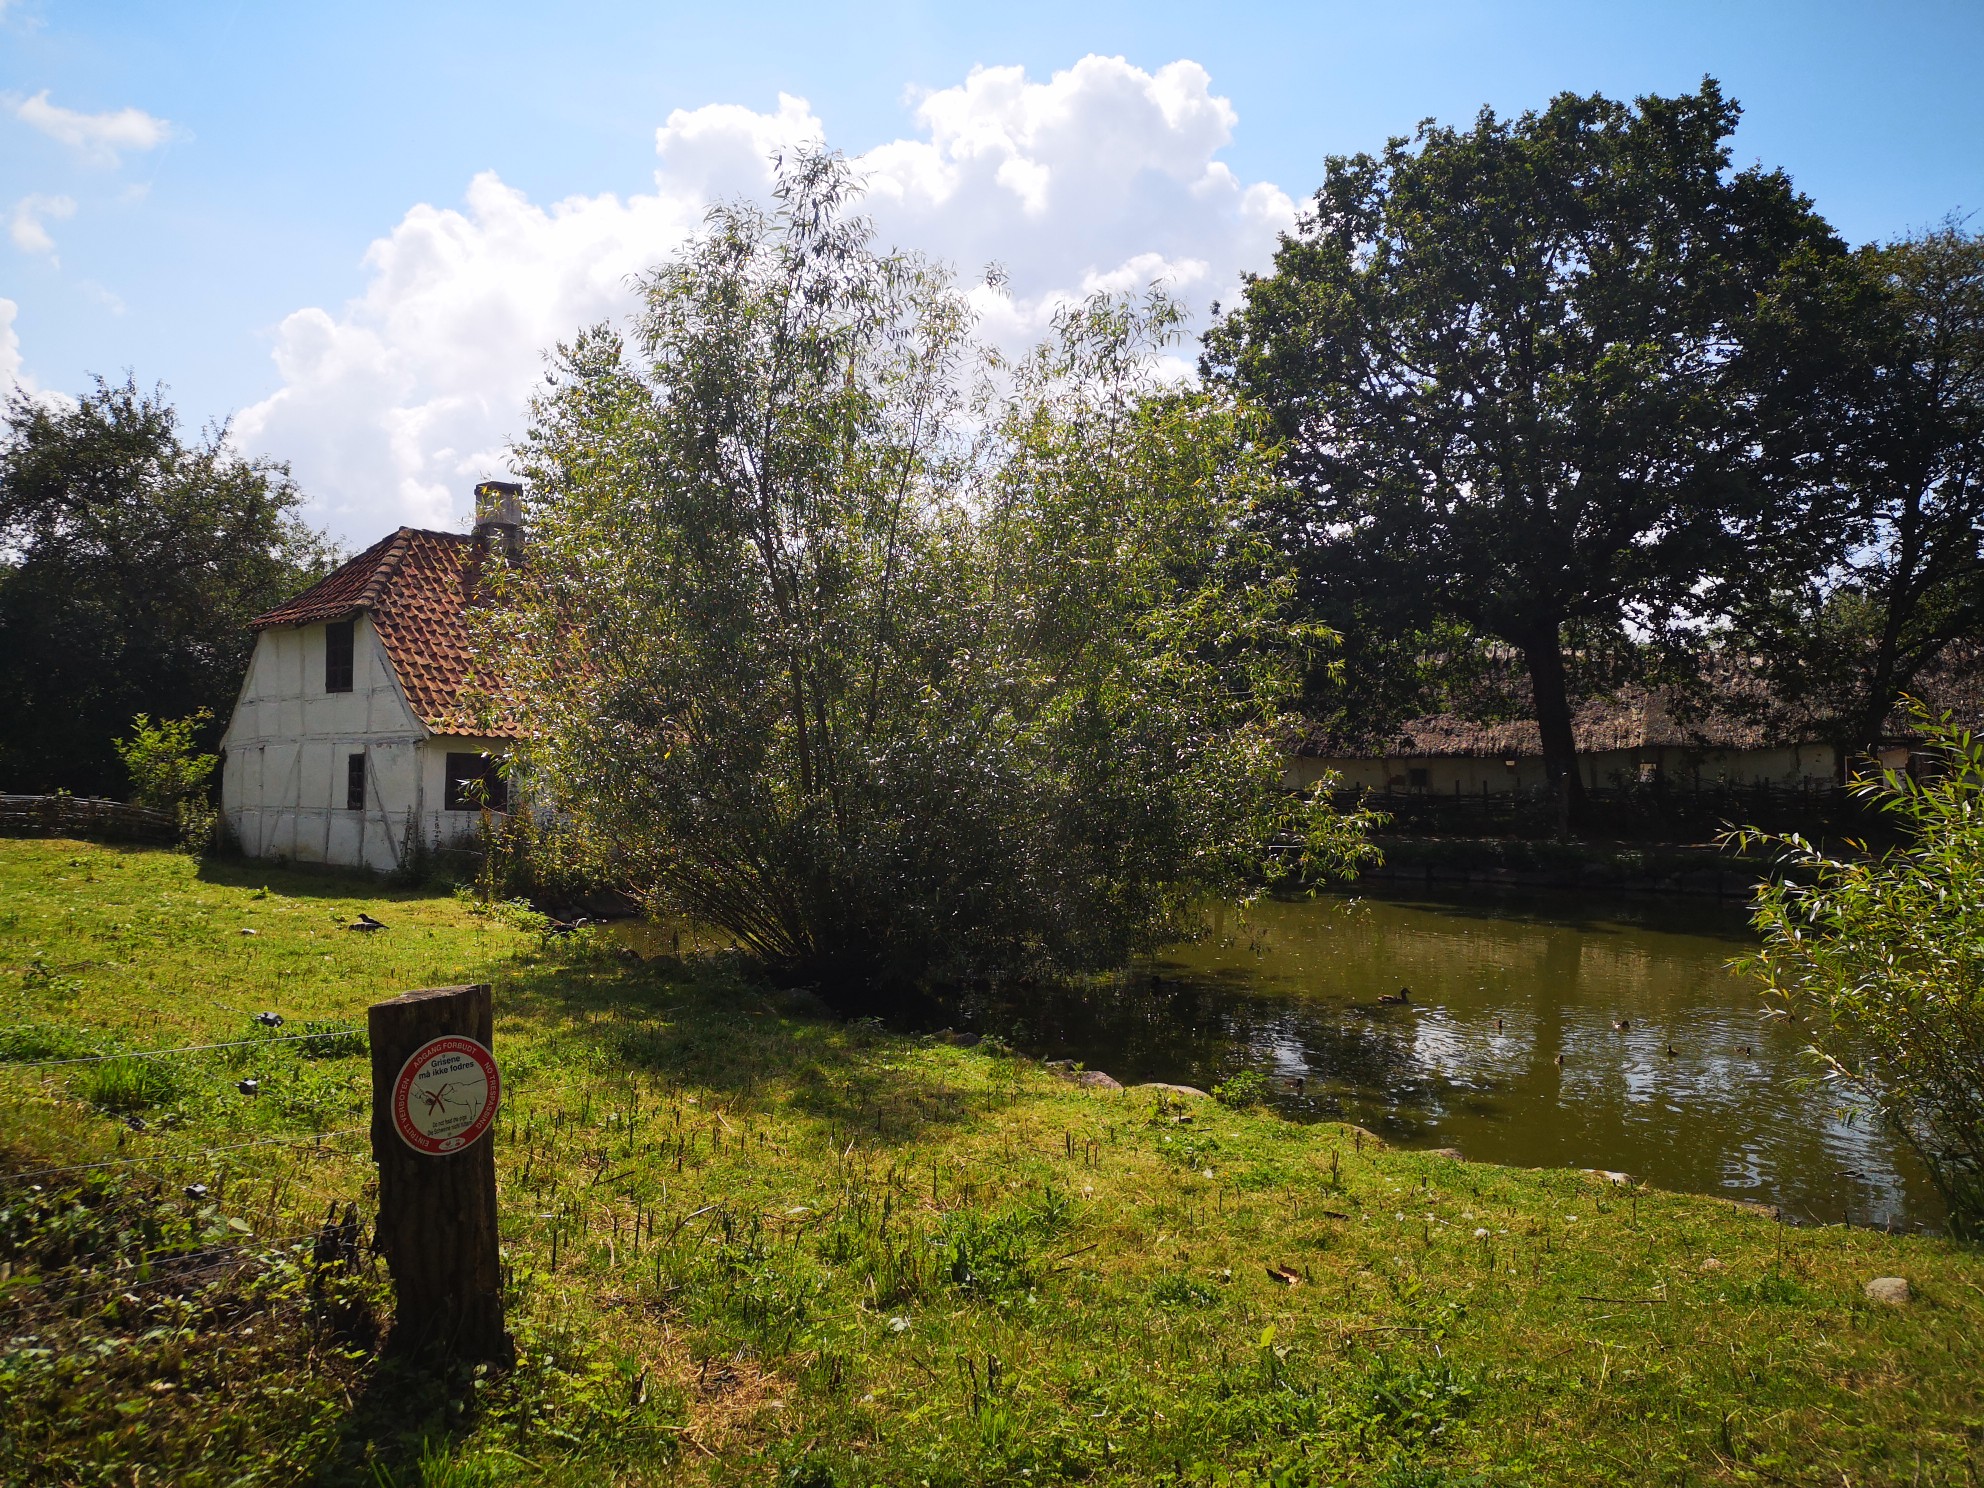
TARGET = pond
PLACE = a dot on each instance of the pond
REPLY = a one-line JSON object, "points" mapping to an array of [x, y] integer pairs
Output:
{"points": [[1696, 1092]]}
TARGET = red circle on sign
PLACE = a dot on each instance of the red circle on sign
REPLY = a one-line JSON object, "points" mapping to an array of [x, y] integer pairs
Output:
{"points": [[446, 1095]]}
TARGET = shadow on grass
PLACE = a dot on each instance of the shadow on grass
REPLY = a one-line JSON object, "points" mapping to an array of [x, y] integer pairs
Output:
{"points": [[710, 1023], [311, 880], [406, 1412]]}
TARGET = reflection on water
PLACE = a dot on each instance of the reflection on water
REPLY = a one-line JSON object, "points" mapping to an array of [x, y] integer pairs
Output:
{"points": [[1696, 1092]]}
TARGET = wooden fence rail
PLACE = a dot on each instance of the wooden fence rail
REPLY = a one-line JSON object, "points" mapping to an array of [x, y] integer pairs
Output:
{"points": [[84, 816]]}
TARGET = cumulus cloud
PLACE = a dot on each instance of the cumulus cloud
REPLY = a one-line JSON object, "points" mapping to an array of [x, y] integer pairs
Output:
{"points": [[14, 375], [98, 138], [28, 223], [1103, 176], [11, 374]]}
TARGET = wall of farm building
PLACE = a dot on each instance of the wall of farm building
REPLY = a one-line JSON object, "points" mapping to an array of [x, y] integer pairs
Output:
{"points": [[1800, 765], [286, 769]]}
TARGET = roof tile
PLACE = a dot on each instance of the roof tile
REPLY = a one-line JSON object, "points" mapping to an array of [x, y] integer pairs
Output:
{"points": [[418, 586]]}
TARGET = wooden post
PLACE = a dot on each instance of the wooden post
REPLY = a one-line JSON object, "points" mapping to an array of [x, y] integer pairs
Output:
{"points": [[437, 1209]]}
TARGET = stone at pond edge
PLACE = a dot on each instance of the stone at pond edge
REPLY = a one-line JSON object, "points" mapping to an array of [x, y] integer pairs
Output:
{"points": [[1090, 1079], [1893, 1290], [1623, 1180], [1750, 1206], [1452, 1152], [1173, 1089]]}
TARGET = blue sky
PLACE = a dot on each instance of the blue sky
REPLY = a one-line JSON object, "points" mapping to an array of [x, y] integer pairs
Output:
{"points": [[356, 227]]}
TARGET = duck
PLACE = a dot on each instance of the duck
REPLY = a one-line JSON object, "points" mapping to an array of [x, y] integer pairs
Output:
{"points": [[1396, 999], [1672, 1052], [1558, 1061], [1622, 1024], [1498, 1025], [1744, 1050]]}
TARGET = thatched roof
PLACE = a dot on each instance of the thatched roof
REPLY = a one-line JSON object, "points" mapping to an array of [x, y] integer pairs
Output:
{"points": [[1733, 710]]}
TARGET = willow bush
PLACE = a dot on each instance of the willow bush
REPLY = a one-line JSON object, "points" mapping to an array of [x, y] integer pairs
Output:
{"points": [[1882, 958], [892, 658]]}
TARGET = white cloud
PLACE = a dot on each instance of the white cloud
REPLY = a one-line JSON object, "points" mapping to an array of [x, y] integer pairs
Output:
{"points": [[1102, 176], [98, 138], [27, 225], [12, 374]]}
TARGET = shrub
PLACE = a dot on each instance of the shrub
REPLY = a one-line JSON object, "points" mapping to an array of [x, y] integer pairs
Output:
{"points": [[889, 658], [168, 773], [1247, 1088], [1883, 959]]}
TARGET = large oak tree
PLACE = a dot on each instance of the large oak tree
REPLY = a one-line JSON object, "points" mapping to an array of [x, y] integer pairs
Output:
{"points": [[1905, 579], [1541, 377], [130, 563]]}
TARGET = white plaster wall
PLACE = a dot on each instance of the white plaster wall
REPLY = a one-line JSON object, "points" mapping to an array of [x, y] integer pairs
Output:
{"points": [[441, 828], [283, 780]]}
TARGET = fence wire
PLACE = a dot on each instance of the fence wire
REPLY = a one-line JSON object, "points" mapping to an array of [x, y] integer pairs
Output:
{"points": [[254, 1043], [190, 1154]]}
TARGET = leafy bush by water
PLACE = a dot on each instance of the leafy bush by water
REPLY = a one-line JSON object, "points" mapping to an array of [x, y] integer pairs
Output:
{"points": [[1883, 960]]}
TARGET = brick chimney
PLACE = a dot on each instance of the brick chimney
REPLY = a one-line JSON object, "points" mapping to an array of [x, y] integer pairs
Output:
{"points": [[499, 516]]}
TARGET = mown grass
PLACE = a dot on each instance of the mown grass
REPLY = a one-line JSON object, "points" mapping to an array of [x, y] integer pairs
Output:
{"points": [[748, 1243]]}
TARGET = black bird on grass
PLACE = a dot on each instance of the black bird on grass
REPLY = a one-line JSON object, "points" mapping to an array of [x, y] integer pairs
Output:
{"points": [[365, 922]]}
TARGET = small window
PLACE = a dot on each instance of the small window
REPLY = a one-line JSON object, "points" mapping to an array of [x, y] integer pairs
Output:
{"points": [[354, 782], [475, 781], [337, 656], [1419, 778]]}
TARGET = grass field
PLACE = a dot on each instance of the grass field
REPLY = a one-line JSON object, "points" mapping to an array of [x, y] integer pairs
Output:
{"points": [[747, 1243]]}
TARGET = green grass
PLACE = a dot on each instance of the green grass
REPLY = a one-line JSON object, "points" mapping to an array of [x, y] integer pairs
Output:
{"points": [[749, 1244]]}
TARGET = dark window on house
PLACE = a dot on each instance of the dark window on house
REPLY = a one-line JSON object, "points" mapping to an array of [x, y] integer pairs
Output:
{"points": [[1419, 778], [474, 781], [354, 782], [337, 656]]}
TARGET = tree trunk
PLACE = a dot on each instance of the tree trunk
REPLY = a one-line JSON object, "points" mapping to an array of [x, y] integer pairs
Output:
{"points": [[437, 1214], [1545, 657]]}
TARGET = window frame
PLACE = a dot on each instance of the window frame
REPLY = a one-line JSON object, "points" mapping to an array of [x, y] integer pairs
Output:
{"points": [[354, 781], [457, 776], [340, 636]]}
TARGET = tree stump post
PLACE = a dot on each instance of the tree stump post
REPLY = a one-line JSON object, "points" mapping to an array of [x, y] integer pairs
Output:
{"points": [[437, 1172]]}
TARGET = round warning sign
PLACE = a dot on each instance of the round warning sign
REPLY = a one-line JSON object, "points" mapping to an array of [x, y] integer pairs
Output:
{"points": [[446, 1095]]}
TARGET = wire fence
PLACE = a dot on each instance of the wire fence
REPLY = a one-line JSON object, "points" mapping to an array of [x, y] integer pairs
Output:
{"points": [[188, 1155], [253, 1043]]}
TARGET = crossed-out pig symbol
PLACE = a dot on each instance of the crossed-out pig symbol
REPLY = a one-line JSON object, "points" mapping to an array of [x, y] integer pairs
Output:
{"points": [[440, 1096]]}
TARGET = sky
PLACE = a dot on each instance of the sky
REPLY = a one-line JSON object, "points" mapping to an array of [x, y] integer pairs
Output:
{"points": [[353, 232]]}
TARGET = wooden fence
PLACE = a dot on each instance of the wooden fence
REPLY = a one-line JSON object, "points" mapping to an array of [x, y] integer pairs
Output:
{"points": [[84, 816]]}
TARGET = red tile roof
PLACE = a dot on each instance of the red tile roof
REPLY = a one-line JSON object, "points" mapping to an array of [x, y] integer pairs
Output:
{"points": [[417, 586]]}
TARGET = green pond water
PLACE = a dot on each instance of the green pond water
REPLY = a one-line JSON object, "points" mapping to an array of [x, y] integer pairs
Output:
{"points": [[1698, 1093]]}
